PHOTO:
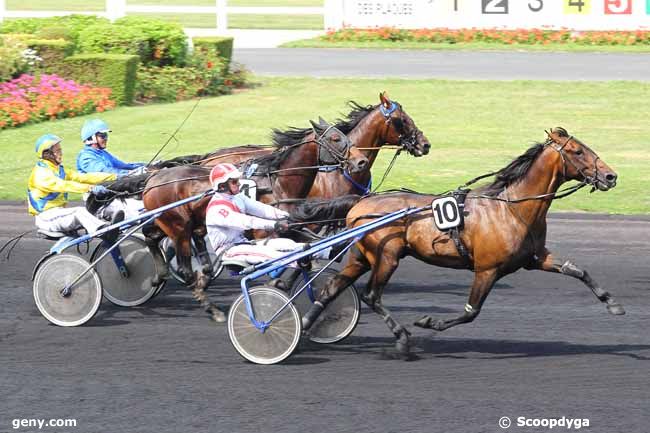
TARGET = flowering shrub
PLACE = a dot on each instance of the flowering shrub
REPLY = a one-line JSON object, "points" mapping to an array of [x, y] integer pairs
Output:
{"points": [[206, 74], [497, 36], [16, 58], [33, 99]]}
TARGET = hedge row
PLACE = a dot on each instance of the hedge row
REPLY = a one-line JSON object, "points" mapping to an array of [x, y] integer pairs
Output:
{"points": [[115, 71], [156, 42]]}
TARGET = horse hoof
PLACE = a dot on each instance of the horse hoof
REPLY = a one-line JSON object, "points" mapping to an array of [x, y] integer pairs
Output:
{"points": [[424, 322], [439, 325], [218, 316], [616, 309]]}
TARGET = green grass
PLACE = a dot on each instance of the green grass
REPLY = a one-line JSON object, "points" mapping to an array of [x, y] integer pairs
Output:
{"points": [[236, 21], [473, 46], [473, 126]]}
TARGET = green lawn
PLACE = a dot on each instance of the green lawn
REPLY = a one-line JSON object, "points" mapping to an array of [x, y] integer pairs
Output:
{"points": [[473, 126], [236, 21], [473, 46]]}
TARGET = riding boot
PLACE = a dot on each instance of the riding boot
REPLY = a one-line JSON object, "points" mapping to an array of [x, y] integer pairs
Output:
{"points": [[112, 235]]}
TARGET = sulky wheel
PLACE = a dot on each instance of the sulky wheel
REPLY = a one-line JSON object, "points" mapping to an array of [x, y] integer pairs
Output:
{"points": [[278, 341], [340, 317], [83, 302], [134, 288]]}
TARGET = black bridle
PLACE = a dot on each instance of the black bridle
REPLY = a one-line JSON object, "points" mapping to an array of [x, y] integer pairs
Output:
{"points": [[327, 153], [586, 179]]}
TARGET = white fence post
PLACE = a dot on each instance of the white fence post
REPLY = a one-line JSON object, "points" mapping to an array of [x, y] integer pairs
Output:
{"points": [[3, 7], [222, 15], [333, 15], [115, 9]]}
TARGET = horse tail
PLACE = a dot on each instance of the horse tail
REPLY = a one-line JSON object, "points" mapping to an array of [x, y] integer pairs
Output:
{"points": [[320, 210]]}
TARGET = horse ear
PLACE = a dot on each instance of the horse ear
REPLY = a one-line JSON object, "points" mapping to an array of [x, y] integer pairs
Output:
{"points": [[314, 125], [383, 97], [322, 122]]}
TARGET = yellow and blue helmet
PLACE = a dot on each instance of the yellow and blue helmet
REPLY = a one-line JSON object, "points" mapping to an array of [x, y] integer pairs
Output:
{"points": [[45, 142]]}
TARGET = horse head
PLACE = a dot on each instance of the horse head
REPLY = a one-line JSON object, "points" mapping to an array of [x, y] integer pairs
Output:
{"points": [[402, 130], [580, 162], [334, 147]]}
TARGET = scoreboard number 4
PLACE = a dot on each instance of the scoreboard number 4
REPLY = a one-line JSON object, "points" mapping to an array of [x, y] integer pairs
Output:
{"points": [[577, 6]]}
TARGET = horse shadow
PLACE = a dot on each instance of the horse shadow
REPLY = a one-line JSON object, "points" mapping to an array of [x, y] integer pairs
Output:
{"points": [[484, 349]]}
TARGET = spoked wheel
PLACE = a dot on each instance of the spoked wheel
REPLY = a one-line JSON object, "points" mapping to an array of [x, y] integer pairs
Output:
{"points": [[278, 341], [168, 246], [54, 274], [136, 287], [340, 317]]}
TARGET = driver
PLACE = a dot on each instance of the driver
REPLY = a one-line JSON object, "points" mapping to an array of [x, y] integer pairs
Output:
{"points": [[230, 213], [48, 187], [95, 158]]}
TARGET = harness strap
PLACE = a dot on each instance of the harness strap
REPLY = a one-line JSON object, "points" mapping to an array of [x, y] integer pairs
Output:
{"points": [[364, 189]]}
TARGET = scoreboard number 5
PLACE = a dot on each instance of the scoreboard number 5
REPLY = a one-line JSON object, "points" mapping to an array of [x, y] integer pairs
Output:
{"points": [[618, 7]]}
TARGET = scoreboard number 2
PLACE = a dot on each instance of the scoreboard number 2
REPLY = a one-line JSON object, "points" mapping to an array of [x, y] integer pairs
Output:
{"points": [[494, 6]]}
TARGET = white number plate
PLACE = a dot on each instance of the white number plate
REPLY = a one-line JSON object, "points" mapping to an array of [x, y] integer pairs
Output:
{"points": [[248, 187], [446, 213]]}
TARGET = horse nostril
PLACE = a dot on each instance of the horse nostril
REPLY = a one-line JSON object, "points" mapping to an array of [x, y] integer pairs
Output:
{"points": [[610, 177], [362, 164]]}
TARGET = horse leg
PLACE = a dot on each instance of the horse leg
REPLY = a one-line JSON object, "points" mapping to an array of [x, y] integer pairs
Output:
{"points": [[204, 257], [483, 283], [152, 238], [356, 266], [547, 263], [381, 273]]}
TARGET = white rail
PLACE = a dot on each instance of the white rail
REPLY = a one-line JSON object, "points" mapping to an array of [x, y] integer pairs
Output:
{"points": [[115, 9]]}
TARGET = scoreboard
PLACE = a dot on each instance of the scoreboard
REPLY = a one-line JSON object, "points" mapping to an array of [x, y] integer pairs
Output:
{"points": [[420, 14]]}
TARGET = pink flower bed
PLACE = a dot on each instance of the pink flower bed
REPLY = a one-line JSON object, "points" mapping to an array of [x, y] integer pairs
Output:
{"points": [[34, 99]]}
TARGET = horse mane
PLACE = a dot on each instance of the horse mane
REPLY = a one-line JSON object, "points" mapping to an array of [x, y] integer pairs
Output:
{"points": [[518, 168], [352, 119]]}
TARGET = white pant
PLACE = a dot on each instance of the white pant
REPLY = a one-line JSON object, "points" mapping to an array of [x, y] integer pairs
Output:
{"points": [[66, 219], [267, 249], [130, 206]]}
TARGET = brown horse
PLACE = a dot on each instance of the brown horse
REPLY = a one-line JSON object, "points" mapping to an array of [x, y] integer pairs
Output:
{"points": [[505, 230], [368, 128], [282, 176]]}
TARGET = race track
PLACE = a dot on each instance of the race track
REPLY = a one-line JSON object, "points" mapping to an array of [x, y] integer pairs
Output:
{"points": [[543, 347], [451, 65]]}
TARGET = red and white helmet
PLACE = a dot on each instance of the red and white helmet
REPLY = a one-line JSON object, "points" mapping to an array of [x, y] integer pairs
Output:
{"points": [[221, 173]]}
